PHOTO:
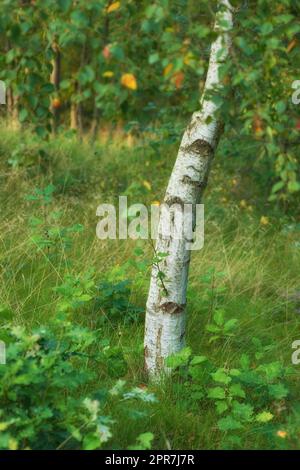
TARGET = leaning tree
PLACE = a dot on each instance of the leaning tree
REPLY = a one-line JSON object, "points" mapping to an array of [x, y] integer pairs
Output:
{"points": [[166, 304]]}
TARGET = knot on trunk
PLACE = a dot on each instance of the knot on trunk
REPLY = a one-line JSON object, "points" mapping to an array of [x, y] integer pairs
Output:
{"points": [[170, 200], [199, 147], [186, 179], [172, 308]]}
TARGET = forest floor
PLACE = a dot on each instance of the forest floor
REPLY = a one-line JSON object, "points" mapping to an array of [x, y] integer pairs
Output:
{"points": [[248, 271]]}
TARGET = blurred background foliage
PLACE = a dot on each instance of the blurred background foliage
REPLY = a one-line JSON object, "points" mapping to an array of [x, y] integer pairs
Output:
{"points": [[140, 66]]}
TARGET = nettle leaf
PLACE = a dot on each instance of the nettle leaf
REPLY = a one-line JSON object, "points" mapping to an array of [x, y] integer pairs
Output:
{"points": [[197, 395], [229, 424], [243, 411], [272, 370], [221, 376], [216, 393], [236, 391], [221, 407], [278, 391], [179, 359]]}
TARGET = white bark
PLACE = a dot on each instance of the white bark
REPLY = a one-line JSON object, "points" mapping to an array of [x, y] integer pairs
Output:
{"points": [[166, 305]]}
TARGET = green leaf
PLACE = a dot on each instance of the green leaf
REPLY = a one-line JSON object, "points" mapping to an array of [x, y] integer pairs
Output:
{"points": [[145, 440], [230, 324], [219, 317], [216, 393], [213, 328], [278, 391], [280, 107], [91, 441], [236, 391], [293, 186], [221, 406], [179, 359], [245, 361], [213, 339], [243, 411], [221, 376], [23, 114], [277, 186], [79, 18], [153, 58], [198, 360], [5, 313], [264, 417], [266, 28], [229, 424]]}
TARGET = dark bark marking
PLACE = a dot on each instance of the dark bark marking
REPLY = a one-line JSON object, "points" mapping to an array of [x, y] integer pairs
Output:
{"points": [[186, 179], [170, 200], [172, 308], [199, 147]]}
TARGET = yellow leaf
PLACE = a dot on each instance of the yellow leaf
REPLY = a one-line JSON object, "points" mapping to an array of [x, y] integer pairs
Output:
{"points": [[113, 7], [168, 69], [147, 185], [281, 434], [129, 81], [264, 220], [155, 203], [188, 58], [108, 73], [12, 444], [3, 426], [291, 45]]}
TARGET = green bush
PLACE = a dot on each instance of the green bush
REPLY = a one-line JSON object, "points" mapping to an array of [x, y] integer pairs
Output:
{"points": [[44, 402]]}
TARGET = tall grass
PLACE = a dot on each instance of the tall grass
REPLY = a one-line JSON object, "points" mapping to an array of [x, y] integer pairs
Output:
{"points": [[256, 265]]}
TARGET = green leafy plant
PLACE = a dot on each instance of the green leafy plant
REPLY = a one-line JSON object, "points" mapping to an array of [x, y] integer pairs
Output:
{"points": [[246, 396], [46, 232], [221, 328], [113, 301], [43, 401]]}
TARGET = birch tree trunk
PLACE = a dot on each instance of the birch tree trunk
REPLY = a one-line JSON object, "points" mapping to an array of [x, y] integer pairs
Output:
{"points": [[166, 304]]}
